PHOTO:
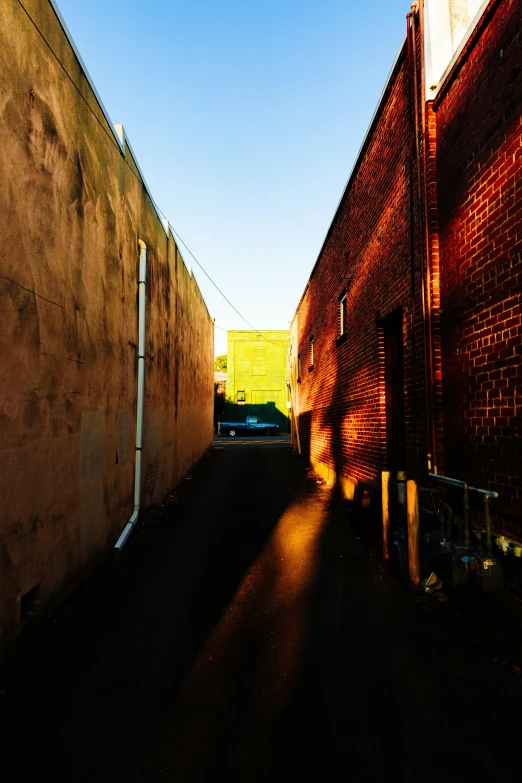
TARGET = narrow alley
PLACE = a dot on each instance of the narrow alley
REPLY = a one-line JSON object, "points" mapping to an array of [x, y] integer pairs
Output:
{"points": [[249, 632]]}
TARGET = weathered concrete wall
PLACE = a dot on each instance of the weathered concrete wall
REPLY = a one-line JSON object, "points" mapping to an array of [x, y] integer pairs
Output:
{"points": [[72, 207]]}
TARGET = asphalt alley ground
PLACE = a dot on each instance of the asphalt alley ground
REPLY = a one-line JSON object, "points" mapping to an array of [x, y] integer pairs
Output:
{"points": [[248, 440], [249, 632]]}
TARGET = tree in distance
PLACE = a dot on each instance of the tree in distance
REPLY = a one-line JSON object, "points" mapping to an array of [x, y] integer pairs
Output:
{"points": [[220, 363]]}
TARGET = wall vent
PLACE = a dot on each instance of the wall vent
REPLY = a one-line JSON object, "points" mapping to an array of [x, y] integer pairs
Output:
{"points": [[30, 604]]}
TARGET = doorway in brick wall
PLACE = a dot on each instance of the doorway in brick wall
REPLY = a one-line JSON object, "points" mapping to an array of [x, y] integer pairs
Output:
{"points": [[393, 356]]}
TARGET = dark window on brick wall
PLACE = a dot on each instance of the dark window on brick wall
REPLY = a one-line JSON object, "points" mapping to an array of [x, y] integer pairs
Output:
{"points": [[311, 354]]}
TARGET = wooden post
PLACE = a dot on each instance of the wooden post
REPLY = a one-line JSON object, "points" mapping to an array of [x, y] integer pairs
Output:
{"points": [[412, 511], [385, 514]]}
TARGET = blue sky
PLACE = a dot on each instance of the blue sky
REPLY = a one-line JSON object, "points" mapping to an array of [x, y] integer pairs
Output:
{"points": [[246, 117]]}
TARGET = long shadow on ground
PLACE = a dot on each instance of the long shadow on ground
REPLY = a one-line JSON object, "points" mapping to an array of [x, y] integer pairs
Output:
{"points": [[82, 702]]}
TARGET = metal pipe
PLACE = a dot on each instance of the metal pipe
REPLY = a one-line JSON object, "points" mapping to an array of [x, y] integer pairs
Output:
{"points": [[429, 335], [410, 66], [489, 492], [142, 275], [466, 489], [487, 495], [424, 242], [487, 518], [294, 395], [446, 480], [467, 543]]}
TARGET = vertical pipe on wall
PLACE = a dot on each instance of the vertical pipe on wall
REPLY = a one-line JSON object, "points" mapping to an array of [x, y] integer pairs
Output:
{"points": [[428, 265], [409, 68], [295, 415], [420, 149], [142, 275]]}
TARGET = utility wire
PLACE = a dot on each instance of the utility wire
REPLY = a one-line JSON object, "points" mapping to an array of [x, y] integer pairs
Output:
{"points": [[66, 72], [213, 283], [113, 141]]}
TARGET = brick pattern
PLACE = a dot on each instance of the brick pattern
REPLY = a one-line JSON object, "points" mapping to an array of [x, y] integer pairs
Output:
{"points": [[473, 176], [479, 160], [368, 253]]}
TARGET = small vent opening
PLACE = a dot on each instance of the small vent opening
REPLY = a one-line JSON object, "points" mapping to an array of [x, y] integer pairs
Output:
{"points": [[29, 604]]}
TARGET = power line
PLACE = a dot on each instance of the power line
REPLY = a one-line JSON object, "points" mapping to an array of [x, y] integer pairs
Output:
{"points": [[260, 334], [66, 72], [113, 141]]}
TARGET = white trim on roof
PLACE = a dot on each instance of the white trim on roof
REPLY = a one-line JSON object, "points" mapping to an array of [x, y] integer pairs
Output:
{"points": [[125, 144], [353, 169]]}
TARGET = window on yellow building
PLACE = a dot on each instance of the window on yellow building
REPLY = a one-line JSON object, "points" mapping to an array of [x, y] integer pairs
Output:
{"points": [[259, 360]]}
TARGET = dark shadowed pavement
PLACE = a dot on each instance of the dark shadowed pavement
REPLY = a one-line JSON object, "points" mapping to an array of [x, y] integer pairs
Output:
{"points": [[250, 633]]}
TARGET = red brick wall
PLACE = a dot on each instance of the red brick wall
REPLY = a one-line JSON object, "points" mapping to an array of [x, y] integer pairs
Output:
{"points": [[479, 161], [368, 250], [474, 212]]}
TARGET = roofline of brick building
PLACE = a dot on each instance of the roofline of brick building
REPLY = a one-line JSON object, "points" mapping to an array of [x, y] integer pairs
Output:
{"points": [[475, 30], [367, 138]]}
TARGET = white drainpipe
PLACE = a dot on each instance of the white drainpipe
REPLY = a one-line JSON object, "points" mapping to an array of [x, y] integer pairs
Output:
{"points": [[141, 388]]}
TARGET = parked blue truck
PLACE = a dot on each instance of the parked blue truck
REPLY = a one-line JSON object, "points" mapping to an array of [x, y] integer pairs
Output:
{"points": [[250, 426]]}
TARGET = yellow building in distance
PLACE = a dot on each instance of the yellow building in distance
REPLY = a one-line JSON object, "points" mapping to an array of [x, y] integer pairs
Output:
{"points": [[257, 376]]}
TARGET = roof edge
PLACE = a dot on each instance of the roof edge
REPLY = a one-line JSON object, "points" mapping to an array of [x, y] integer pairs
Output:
{"points": [[358, 160]]}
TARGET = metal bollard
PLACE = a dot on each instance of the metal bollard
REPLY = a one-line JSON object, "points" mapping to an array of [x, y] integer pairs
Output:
{"points": [[412, 512], [386, 514]]}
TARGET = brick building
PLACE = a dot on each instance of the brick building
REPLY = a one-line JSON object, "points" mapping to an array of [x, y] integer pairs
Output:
{"points": [[257, 376], [406, 344]]}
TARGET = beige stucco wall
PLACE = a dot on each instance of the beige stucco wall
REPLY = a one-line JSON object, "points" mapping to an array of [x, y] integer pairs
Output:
{"points": [[72, 208]]}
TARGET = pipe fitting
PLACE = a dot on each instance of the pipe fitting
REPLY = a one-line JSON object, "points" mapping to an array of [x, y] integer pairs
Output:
{"points": [[142, 275]]}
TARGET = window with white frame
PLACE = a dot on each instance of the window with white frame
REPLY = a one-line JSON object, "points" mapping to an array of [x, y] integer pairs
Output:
{"points": [[342, 314]]}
